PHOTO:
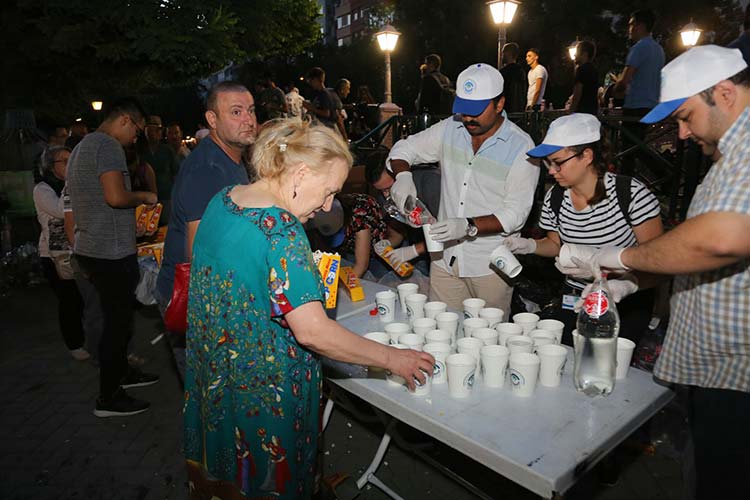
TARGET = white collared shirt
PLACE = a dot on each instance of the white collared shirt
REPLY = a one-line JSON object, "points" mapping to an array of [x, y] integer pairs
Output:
{"points": [[498, 180]]}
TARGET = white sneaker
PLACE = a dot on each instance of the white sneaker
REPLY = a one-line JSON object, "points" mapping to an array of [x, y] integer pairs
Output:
{"points": [[80, 354]]}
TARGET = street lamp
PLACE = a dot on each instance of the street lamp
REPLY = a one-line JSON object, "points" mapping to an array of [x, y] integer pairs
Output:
{"points": [[690, 34], [502, 14], [387, 39], [97, 105], [573, 49]]}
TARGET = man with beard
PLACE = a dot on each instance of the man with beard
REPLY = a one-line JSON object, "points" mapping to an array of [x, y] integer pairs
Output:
{"points": [[486, 188], [213, 165]]}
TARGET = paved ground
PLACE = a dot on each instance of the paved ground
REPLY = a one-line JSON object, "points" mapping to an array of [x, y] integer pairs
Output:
{"points": [[52, 447]]}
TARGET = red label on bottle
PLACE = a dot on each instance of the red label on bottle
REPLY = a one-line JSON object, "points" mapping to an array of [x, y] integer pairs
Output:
{"points": [[596, 304], [415, 216]]}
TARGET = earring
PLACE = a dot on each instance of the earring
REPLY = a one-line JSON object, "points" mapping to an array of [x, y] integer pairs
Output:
{"points": [[294, 194]]}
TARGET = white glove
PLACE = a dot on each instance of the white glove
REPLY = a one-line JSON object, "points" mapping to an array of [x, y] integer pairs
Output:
{"points": [[401, 255], [402, 188], [581, 270], [610, 259], [587, 262], [520, 246], [449, 229], [620, 288]]}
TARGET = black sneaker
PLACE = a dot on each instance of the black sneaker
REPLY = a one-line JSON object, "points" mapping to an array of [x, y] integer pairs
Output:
{"points": [[120, 405], [137, 378]]}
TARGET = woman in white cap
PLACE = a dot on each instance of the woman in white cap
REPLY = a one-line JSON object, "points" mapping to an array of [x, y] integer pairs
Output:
{"points": [[591, 207]]}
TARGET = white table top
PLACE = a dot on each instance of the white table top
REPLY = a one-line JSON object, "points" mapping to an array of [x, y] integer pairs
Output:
{"points": [[345, 308], [544, 443]]}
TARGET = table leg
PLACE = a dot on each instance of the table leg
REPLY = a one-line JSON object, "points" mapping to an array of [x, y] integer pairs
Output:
{"points": [[369, 474], [327, 412]]}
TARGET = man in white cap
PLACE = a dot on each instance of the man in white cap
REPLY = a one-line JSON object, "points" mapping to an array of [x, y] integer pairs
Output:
{"points": [[487, 187], [707, 348]]}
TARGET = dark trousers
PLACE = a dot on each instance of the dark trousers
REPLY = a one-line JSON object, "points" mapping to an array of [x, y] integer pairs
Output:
{"points": [[721, 438], [634, 310], [69, 305], [115, 282]]}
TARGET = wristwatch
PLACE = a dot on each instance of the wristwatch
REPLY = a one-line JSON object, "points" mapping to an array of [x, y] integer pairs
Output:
{"points": [[471, 230]]}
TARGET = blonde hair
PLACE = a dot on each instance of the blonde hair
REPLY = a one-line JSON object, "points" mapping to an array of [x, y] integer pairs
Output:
{"points": [[287, 142]]}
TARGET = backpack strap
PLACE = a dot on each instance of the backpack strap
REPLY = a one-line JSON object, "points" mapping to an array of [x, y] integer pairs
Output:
{"points": [[622, 189], [555, 200]]}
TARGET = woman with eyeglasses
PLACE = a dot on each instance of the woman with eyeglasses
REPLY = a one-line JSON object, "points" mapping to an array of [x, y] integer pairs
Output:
{"points": [[55, 251], [592, 208]]}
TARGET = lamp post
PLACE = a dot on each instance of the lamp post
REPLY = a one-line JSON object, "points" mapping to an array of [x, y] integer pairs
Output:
{"points": [[387, 39], [502, 14], [690, 33]]}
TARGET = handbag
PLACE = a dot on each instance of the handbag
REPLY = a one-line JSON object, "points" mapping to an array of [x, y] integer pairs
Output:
{"points": [[175, 316], [61, 259]]}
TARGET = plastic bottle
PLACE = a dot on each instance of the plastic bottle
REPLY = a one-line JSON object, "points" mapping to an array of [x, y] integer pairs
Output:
{"points": [[405, 269], [596, 344], [648, 349], [415, 214]]}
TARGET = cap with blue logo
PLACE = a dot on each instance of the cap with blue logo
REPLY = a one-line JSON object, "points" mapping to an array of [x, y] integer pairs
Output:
{"points": [[693, 72], [570, 130], [476, 86]]}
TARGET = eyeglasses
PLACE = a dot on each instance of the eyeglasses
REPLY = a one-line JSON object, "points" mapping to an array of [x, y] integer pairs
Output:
{"points": [[556, 166], [139, 130]]}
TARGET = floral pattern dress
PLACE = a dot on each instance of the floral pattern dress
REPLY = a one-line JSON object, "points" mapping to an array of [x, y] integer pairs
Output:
{"points": [[252, 392], [365, 213]]}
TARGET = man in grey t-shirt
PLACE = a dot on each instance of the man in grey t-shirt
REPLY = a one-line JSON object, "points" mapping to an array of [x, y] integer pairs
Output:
{"points": [[104, 212]]}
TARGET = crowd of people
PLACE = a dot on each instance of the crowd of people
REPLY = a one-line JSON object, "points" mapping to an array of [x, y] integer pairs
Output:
{"points": [[246, 207]]}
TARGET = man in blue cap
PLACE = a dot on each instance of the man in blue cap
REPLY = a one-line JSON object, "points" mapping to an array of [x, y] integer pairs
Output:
{"points": [[486, 189], [707, 347]]}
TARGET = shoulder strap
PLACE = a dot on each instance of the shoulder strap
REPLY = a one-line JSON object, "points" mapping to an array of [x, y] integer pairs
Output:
{"points": [[556, 199], [622, 189]]}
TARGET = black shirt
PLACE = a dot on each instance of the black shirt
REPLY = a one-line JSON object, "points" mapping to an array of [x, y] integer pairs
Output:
{"points": [[587, 75], [515, 87]]}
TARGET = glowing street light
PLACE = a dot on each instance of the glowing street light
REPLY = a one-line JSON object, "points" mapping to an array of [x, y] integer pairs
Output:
{"points": [[690, 34], [502, 14], [97, 105], [387, 39], [573, 49]]}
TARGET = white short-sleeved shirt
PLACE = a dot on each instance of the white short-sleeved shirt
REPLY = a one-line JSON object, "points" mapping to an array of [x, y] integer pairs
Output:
{"points": [[534, 74], [603, 224]]}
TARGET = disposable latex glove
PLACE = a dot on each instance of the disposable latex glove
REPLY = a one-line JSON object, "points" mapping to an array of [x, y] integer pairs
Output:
{"points": [[402, 188], [520, 246], [449, 229], [400, 255], [618, 289], [581, 270], [587, 261]]}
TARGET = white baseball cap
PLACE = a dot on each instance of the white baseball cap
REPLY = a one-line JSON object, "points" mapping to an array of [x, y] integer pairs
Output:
{"points": [[694, 71], [476, 86], [570, 130]]}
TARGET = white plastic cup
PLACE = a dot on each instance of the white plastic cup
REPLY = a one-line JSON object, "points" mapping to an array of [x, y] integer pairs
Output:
{"points": [[494, 364], [415, 306], [440, 351], [565, 257], [493, 315], [552, 363], [625, 349], [552, 325], [395, 330], [412, 340], [519, 344], [432, 309], [448, 321], [422, 389], [527, 321], [404, 290], [471, 346], [423, 325], [471, 324], [506, 330], [438, 337], [386, 302], [488, 336], [524, 371], [396, 379], [379, 337], [461, 371], [473, 306], [542, 337], [503, 259], [432, 245]]}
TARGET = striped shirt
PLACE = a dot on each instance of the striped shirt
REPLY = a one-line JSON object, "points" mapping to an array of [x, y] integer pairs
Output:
{"points": [[603, 224], [708, 339]]}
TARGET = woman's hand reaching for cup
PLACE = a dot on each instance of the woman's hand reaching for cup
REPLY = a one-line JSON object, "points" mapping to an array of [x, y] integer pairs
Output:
{"points": [[411, 365]]}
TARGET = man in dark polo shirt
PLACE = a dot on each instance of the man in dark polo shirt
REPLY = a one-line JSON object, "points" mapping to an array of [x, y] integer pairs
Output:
{"points": [[213, 165], [104, 211]]}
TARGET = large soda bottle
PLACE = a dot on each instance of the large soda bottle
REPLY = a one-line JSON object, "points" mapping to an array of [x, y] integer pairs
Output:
{"points": [[415, 214], [596, 343]]}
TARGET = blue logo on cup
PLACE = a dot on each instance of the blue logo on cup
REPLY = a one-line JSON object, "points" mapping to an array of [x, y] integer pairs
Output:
{"points": [[469, 380], [469, 86], [516, 378], [383, 309], [437, 369]]}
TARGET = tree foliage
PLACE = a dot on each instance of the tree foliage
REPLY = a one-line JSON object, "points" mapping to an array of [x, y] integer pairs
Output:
{"points": [[62, 54]]}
